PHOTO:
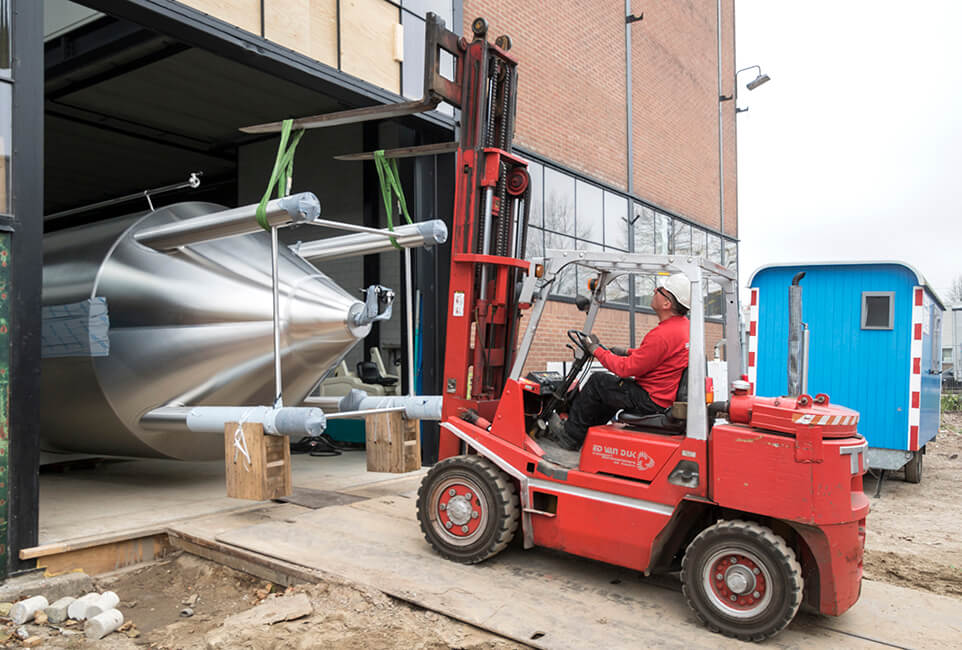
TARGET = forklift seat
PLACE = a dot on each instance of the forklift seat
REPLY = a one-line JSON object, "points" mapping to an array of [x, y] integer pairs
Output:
{"points": [[670, 423]]}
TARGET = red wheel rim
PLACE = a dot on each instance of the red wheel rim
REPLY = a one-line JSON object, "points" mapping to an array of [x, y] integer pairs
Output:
{"points": [[737, 582]]}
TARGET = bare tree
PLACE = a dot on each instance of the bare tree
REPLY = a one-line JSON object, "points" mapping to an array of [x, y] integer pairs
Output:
{"points": [[955, 291]]}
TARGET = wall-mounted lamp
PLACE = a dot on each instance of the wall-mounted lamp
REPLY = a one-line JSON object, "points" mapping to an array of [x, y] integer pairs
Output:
{"points": [[751, 85]]}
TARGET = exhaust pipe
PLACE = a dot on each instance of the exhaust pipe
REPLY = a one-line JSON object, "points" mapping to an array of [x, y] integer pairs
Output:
{"points": [[795, 347]]}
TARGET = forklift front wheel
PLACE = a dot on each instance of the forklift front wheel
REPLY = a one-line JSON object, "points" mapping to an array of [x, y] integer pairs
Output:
{"points": [[742, 580], [468, 509]]}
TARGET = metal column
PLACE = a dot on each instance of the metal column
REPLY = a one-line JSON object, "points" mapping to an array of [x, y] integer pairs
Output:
{"points": [[22, 269]]}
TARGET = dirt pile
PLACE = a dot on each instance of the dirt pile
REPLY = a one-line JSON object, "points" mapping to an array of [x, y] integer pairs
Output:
{"points": [[230, 609]]}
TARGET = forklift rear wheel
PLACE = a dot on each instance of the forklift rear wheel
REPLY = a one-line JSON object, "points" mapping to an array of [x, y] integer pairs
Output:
{"points": [[742, 580], [913, 468], [468, 509]]}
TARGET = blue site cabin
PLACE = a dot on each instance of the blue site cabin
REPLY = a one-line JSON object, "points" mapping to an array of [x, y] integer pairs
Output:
{"points": [[874, 345]]}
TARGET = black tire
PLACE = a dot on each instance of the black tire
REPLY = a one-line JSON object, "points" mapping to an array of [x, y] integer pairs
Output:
{"points": [[757, 569], [913, 468], [485, 501]]}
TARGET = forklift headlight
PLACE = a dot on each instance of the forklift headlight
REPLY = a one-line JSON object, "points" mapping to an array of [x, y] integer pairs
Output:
{"points": [[538, 270]]}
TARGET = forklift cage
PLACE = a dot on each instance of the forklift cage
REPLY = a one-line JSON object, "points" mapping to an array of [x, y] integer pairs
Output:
{"points": [[611, 266]]}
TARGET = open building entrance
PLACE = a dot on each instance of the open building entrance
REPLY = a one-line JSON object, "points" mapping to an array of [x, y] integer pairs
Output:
{"points": [[136, 99]]}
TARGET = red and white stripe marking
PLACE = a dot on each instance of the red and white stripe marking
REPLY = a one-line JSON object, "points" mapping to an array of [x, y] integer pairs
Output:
{"points": [[753, 342], [915, 369]]}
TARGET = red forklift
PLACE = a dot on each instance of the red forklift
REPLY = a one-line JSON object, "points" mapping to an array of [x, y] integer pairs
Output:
{"points": [[757, 501]]}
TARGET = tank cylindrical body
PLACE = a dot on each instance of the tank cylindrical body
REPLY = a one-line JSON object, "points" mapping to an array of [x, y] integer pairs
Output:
{"points": [[192, 326]]}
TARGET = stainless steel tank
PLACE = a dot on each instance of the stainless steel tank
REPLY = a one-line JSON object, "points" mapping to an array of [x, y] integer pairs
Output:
{"points": [[191, 326]]}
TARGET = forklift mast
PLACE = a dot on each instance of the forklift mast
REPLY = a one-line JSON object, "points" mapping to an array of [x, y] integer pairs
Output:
{"points": [[489, 225]]}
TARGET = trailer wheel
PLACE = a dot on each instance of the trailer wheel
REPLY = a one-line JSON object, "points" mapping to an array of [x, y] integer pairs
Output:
{"points": [[913, 468], [742, 580], [468, 509]]}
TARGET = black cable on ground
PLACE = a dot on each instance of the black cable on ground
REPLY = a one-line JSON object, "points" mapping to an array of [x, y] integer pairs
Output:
{"points": [[323, 446]]}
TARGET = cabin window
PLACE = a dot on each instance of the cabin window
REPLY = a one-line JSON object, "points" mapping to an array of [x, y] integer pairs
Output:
{"points": [[877, 310]]}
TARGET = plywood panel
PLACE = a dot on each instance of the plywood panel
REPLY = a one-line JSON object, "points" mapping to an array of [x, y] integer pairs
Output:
{"points": [[107, 557], [305, 26], [367, 42], [245, 14]]}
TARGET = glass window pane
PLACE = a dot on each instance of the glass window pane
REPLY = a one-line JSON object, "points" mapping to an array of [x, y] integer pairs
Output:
{"points": [[5, 148], [5, 54], [534, 245], [731, 255], [681, 238], [443, 8], [662, 234], [536, 214], [715, 303], [412, 69], [590, 213], [584, 274], [559, 202], [644, 290], [564, 285], [616, 221], [699, 242], [715, 249], [644, 218]]}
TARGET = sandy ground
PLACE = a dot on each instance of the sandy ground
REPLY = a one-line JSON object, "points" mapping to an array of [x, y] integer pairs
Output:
{"points": [[912, 530], [912, 542]]}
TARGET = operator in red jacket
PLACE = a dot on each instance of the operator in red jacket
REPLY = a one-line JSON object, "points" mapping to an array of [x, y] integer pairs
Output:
{"points": [[645, 379]]}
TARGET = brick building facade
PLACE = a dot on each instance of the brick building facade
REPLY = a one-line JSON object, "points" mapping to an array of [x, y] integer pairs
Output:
{"points": [[573, 124]]}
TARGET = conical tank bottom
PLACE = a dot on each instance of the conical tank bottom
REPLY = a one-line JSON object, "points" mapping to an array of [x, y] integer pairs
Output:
{"points": [[193, 327]]}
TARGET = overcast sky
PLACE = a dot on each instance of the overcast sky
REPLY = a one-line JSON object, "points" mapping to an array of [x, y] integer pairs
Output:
{"points": [[853, 151]]}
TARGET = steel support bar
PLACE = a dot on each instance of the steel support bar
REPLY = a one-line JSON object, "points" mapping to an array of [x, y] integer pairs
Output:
{"points": [[302, 207], [192, 182], [416, 235], [289, 421]]}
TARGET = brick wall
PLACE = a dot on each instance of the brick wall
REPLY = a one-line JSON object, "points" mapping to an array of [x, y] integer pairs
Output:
{"points": [[572, 94]]}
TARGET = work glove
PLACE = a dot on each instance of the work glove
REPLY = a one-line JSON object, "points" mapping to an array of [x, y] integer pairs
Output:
{"points": [[591, 343], [620, 352]]}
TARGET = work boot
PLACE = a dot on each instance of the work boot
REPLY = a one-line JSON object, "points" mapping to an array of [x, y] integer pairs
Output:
{"points": [[556, 432]]}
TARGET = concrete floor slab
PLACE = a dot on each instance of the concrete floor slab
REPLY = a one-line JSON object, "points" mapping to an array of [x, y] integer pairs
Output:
{"points": [[126, 495], [549, 599]]}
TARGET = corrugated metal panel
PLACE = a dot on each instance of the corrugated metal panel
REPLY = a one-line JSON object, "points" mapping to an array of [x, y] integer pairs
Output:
{"points": [[867, 370]]}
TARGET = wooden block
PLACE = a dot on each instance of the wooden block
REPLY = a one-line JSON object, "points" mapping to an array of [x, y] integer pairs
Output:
{"points": [[268, 473], [393, 443]]}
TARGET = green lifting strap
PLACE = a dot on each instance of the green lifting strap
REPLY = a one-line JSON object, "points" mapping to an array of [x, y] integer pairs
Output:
{"points": [[283, 172], [390, 181]]}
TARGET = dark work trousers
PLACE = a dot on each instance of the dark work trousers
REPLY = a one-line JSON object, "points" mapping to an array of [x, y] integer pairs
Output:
{"points": [[603, 395]]}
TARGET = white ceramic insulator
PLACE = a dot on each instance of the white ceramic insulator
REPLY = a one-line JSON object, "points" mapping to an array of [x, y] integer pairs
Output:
{"points": [[78, 608], [107, 600], [24, 611], [103, 624]]}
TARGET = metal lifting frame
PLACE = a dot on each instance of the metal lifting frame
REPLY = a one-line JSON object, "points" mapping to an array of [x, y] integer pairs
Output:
{"points": [[490, 213]]}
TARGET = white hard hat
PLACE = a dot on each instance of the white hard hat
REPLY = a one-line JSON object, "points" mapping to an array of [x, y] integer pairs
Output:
{"points": [[679, 286]]}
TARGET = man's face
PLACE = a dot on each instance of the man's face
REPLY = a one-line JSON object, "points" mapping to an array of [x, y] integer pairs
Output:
{"points": [[660, 300]]}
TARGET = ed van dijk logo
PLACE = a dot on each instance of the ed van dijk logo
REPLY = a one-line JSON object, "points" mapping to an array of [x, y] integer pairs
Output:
{"points": [[640, 459]]}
